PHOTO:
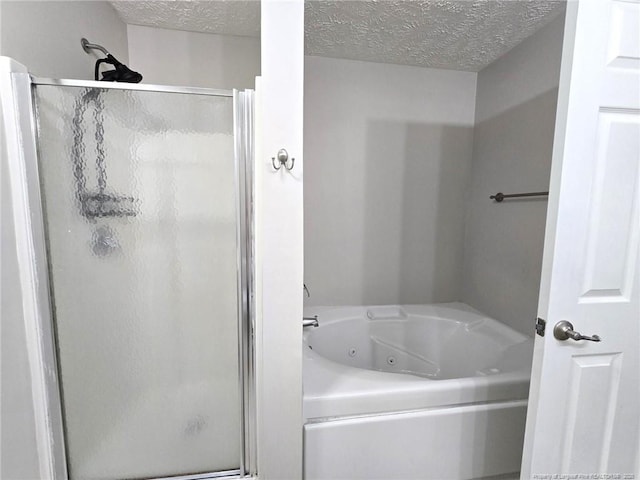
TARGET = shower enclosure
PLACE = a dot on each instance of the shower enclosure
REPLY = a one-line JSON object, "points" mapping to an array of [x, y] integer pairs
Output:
{"points": [[139, 199]]}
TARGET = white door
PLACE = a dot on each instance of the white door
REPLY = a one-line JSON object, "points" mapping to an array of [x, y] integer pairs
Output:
{"points": [[585, 396]]}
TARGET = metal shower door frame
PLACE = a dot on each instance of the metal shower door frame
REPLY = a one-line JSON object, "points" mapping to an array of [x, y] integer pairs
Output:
{"points": [[35, 282]]}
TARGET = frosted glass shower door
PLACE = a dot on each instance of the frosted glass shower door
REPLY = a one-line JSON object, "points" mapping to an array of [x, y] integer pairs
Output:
{"points": [[140, 197]]}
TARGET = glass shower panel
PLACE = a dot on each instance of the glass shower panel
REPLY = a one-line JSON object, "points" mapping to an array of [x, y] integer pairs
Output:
{"points": [[140, 196]]}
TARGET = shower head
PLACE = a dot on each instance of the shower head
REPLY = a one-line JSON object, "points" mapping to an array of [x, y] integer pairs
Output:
{"points": [[121, 73]]}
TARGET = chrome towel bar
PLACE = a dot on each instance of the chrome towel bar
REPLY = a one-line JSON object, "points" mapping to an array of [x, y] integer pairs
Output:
{"points": [[498, 197]]}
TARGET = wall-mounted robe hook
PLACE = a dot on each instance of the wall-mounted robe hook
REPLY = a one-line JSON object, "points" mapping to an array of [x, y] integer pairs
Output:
{"points": [[283, 159]]}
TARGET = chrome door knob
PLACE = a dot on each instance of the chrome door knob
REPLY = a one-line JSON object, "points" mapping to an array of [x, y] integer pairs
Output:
{"points": [[564, 330]]}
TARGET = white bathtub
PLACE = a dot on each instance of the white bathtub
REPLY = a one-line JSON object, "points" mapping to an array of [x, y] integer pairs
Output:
{"points": [[413, 392]]}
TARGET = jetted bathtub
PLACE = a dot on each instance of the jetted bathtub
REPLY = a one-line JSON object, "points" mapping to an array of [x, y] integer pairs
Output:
{"points": [[413, 392]]}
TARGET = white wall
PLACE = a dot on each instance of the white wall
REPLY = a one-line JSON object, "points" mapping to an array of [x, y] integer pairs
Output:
{"points": [[388, 157], [513, 139], [45, 35], [173, 57]]}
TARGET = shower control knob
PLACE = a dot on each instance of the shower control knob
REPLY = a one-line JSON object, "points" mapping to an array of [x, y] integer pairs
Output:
{"points": [[564, 331]]}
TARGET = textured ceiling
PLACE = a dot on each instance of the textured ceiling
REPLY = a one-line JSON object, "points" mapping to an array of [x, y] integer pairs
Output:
{"points": [[461, 35], [225, 17], [453, 34]]}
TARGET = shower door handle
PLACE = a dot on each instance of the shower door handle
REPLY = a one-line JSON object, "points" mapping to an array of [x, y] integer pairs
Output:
{"points": [[564, 330]]}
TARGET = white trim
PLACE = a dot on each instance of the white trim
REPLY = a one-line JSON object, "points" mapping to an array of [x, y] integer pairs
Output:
{"points": [[279, 241], [257, 268], [19, 130]]}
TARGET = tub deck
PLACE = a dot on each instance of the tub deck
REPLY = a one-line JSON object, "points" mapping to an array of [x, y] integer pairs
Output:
{"points": [[334, 389]]}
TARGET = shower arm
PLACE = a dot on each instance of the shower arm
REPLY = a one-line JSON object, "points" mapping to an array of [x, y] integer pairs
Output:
{"points": [[87, 47]]}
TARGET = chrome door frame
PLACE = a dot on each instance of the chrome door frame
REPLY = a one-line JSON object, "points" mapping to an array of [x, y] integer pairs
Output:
{"points": [[24, 84], [35, 81], [243, 134]]}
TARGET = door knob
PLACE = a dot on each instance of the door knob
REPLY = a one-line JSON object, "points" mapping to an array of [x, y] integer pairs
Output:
{"points": [[564, 330]]}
